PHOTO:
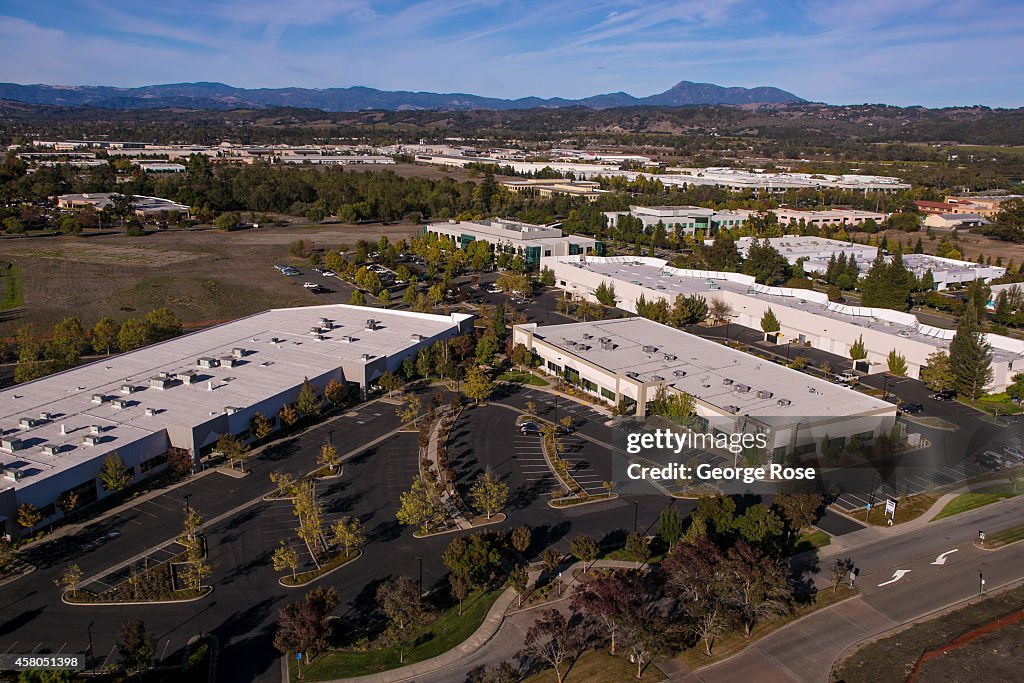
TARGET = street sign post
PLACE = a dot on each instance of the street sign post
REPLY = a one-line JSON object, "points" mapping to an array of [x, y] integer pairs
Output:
{"points": [[890, 508]]}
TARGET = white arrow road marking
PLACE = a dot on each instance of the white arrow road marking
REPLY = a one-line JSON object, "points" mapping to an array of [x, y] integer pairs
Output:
{"points": [[941, 559], [896, 576]]}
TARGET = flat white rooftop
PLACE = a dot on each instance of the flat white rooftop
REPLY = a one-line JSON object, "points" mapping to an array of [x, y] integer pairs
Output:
{"points": [[731, 380], [279, 351]]}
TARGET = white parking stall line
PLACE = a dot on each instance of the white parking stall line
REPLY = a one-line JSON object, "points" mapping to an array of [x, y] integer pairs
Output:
{"points": [[11, 647]]}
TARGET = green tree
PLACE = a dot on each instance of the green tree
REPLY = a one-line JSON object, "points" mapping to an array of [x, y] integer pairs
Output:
{"points": [[1015, 389], [286, 558], [473, 557], [687, 310], [329, 457], [519, 580], [670, 527], [308, 402], [486, 349], [478, 385], [134, 334], [418, 508], [765, 263], [29, 515], [389, 382], [401, 602], [68, 343], [897, 363], [769, 322], [938, 373], [163, 324], [227, 221], [857, 349], [799, 510], [113, 473], [136, 648], [104, 335], [348, 533], [584, 549], [970, 355], [357, 298], [605, 294], [409, 297], [488, 493], [232, 448], [759, 525], [547, 277]]}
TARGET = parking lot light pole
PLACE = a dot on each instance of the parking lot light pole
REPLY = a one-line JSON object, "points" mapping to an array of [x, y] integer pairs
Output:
{"points": [[420, 561], [89, 631], [187, 496], [636, 514]]}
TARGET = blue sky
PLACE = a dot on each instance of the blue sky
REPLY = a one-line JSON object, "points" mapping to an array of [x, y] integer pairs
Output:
{"points": [[839, 51]]}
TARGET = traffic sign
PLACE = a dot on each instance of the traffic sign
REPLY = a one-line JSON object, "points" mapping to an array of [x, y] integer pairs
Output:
{"points": [[890, 507]]}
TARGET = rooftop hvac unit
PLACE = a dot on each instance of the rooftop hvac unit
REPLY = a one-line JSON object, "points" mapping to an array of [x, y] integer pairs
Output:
{"points": [[90, 440], [583, 347], [764, 393], [231, 410], [670, 357], [45, 416], [319, 337], [371, 324], [98, 398], [732, 409], [228, 361], [607, 345], [657, 378], [27, 422], [94, 429], [726, 381], [416, 337], [783, 402], [239, 352], [633, 375], [588, 336], [325, 322], [150, 412], [742, 388], [365, 357], [50, 449], [207, 362], [315, 329], [275, 340], [650, 349], [679, 373], [127, 389], [119, 404], [347, 340], [163, 375], [190, 378], [10, 445], [12, 473], [605, 339]]}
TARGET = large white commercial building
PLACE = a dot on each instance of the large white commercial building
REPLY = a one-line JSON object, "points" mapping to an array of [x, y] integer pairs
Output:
{"points": [[183, 394], [681, 219], [141, 205], [806, 317], [532, 242], [818, 251], [632, 358]]}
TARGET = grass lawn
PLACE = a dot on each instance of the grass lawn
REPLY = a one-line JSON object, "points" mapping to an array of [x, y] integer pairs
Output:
{"points": [[976, 499], [910, 507], [993, 404], [522, 378], [733, 641], [597, 666], [10, 287], [1005, 537], [444, 633], [811, 541]]}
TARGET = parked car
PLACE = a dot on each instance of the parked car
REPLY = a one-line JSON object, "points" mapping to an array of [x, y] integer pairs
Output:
{"points": [[913, 408], [529, 428], [1014, 452], [329, 273], [989, 460], [944, 396], [310, 285], [846, 376]]}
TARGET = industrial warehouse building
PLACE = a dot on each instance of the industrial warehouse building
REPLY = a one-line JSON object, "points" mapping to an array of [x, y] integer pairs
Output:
{"points": [[807, 317], [818, 251], [530, 241], [183, 394], [629, 359]]}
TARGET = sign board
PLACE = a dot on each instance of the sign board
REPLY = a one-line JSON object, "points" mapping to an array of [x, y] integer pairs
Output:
{"points": [[298, 656], [890, 507]]}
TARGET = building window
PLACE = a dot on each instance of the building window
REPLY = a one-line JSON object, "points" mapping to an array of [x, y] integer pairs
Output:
{"points": [[151, 464], [554, 368], [608, 394]]}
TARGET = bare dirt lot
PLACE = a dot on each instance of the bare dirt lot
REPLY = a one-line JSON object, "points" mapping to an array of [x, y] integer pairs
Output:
{"points": [[202, 275]]}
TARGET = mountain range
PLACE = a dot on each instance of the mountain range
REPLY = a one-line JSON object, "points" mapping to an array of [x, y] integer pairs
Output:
{"points": [[358, 98]]}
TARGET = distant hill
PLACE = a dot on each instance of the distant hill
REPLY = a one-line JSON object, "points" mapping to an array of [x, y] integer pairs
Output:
{"points": [[221, 96]]}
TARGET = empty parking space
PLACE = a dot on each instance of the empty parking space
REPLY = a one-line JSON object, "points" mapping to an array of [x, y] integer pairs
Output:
{"points": [[123, 573], [910, 483]]}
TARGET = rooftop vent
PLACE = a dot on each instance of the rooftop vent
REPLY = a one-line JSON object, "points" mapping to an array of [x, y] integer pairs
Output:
{"points": [[231, 410], [583, 347], [670, 357], [207, 362], [764, 393], [127, 389], [45, 416], [650, 349], [605, 339], [732, 409], [588, 336], [94, 429], [326, 322], [726, 381], [347, 339], [633, 375], [679, 373], [783, 402], [275, 340], [50, 449], [371, 324], [319, 337], [119, 404], [150, 412], [10, 444], [315, 329], [607, 345], [98, 398], [365, 357], [90, 440], [657, 378], [742, 388], [416, 337]]}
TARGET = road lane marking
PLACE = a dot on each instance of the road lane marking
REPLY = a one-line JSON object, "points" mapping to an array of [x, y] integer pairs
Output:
{"points": [[941, 559], [896, 576]]}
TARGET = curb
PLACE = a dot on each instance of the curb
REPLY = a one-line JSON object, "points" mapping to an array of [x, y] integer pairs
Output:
{"points": [[319, 576], [208, 590]]}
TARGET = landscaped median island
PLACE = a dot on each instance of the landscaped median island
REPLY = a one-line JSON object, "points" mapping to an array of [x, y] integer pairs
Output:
{"points": [[976, 499], [1001, 538]]}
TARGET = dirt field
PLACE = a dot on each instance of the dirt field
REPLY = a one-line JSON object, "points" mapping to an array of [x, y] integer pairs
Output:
{"points": [[201, 274], [970, 245], [994, 656]]}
